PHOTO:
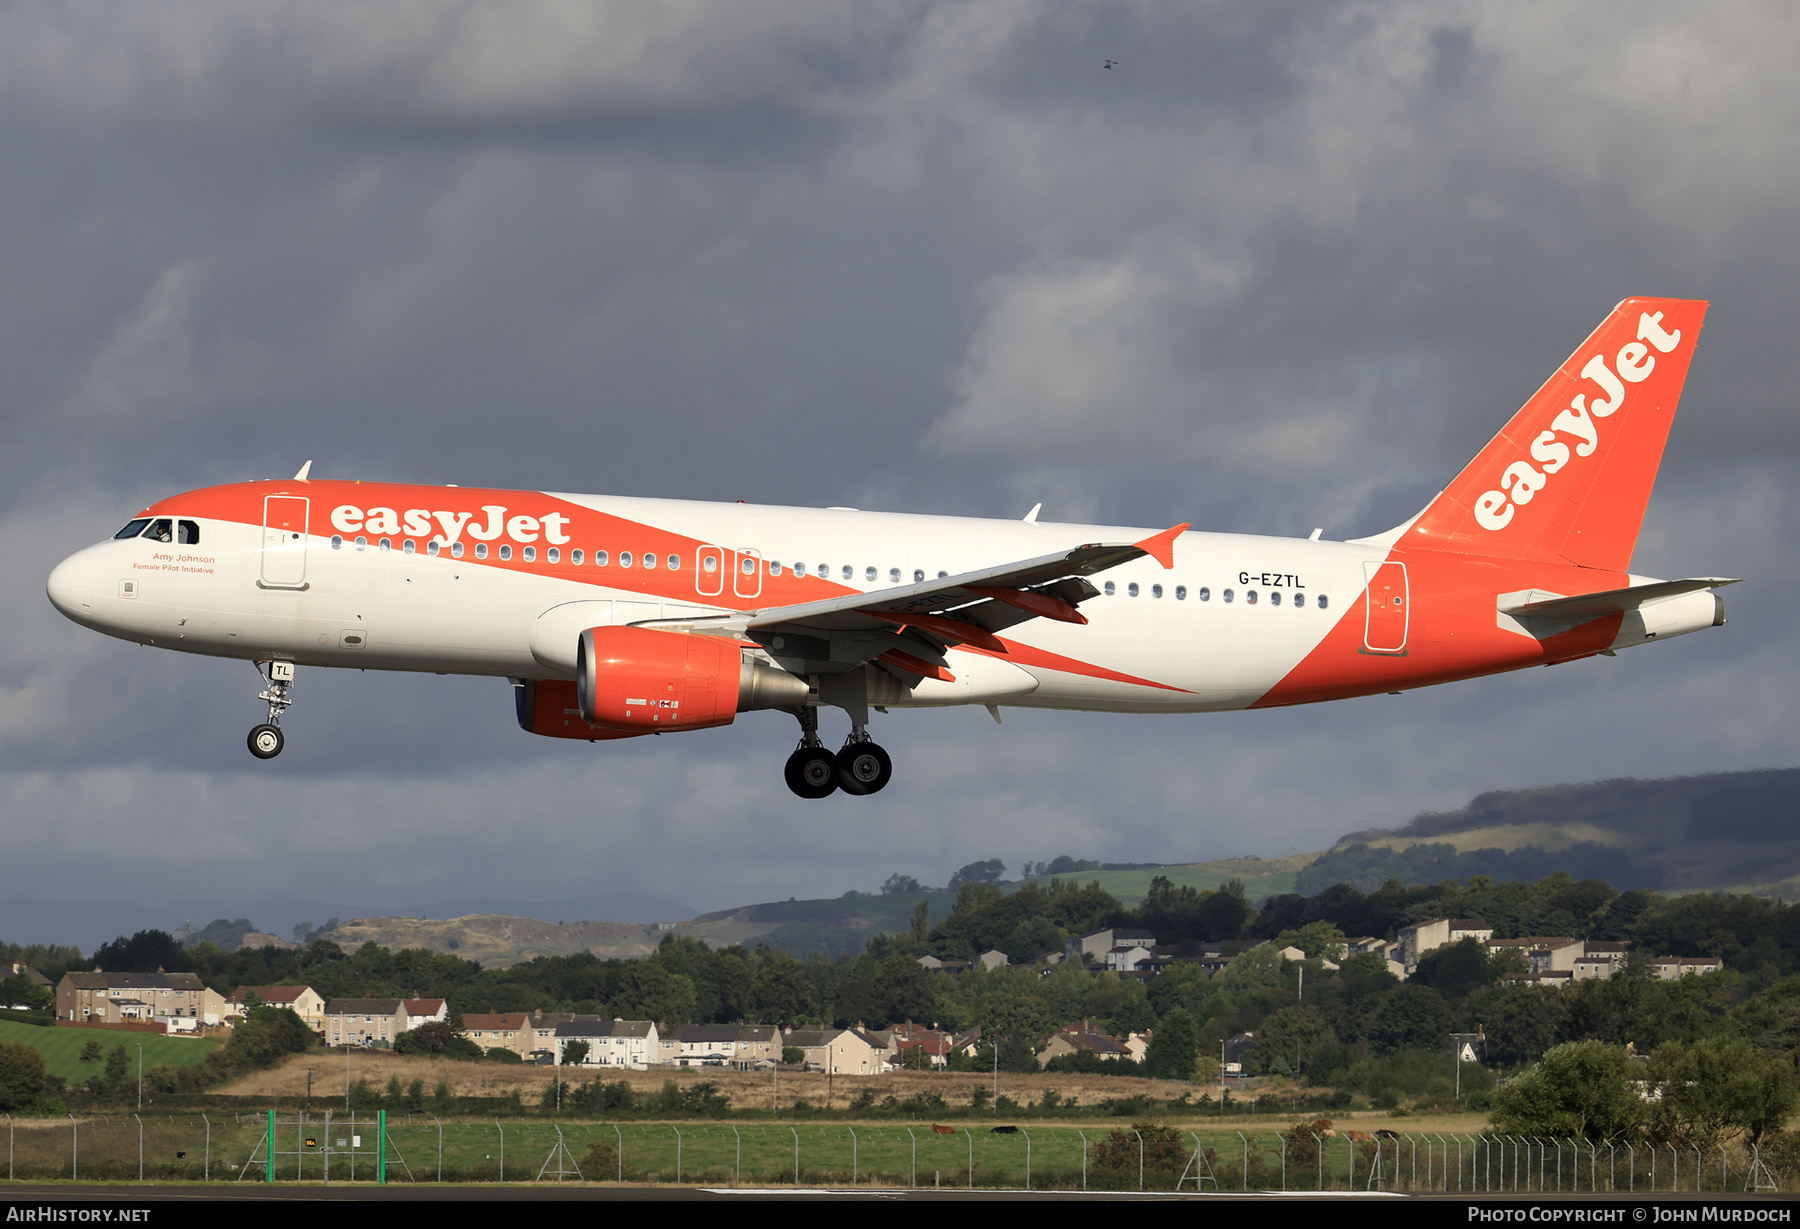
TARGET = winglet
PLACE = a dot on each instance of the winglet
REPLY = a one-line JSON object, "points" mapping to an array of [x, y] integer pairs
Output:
{"points": [[1161, 547], [304, 470]]}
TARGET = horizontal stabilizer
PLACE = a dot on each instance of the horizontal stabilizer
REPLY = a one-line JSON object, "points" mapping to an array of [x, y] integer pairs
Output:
{"points": [[1537, 605]]}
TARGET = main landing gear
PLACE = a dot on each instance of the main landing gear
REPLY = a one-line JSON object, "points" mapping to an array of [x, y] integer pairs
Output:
{"points": [[862, 767], [266, 740]]}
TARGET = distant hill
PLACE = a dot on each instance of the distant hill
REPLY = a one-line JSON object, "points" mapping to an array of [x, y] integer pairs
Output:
{"points": [[498, 942], [1737, 831]]}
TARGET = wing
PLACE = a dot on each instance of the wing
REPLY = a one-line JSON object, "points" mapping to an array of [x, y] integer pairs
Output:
{"points": [[908, 627]]}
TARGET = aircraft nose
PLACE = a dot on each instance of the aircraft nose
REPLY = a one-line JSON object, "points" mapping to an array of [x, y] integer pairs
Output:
{"points": [[71, 586]]}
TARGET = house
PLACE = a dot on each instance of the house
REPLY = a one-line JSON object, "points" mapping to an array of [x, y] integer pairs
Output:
{"points": [[1095, 946], [739, 1046], [178, 1000], [840, 1051], [1670, 968], [1601, 960], [1422, 938], [1082, 1037], [611, 1043], [303, 1001], [952, 967], [501, 1030], [426, 1011], [903, 1039], [364, 1022]]}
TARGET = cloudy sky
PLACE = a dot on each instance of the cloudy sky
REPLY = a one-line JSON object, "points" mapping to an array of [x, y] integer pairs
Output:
{"points": [[1284, 266]]}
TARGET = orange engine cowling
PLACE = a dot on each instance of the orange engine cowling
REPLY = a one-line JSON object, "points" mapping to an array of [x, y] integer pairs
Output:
{"points": [[636, 680], [549, 707]]}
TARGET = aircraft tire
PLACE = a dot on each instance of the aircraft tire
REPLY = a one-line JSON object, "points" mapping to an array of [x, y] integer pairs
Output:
{"points": [[863, 768], [266, 742], [811, 772]]}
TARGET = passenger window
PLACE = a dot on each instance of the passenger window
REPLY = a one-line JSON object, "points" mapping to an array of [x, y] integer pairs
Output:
{"points": [[1155, 590], [456, 550], [576, 557], [869, 575], [187, 533], [1205, 594], [942, 575], [849, 572], [410, 548], [1250, 597], [132, 529], [432, 548], [1108, 590], [554, 555], [799, 569], [624, 558], [1181, 593], [1226, 595], [747, 565], [601, 558], [386, 544], [337, 541], [530, 554], [1321, 601], [674, 563], [1275, 597], [649, 559], [1131, 590], [918, 575], [774, 567]]}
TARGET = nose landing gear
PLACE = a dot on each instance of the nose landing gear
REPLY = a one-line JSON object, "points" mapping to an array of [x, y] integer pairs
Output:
{"points": [[266, 740]]}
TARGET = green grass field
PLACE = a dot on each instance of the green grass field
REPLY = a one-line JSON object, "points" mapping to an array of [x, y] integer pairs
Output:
{"points": [[61, 1048], [227, 1147]]}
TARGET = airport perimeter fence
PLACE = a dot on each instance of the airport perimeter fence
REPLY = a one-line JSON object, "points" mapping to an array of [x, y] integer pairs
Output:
{"points": [[289, 1147]]}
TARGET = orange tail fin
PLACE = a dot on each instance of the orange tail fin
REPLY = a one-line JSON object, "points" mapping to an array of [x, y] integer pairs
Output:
{"points": [[1569, 476]]}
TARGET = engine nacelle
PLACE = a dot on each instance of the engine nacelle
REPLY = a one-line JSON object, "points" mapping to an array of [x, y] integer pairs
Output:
{"points": [[637, 680], [549, 707]]}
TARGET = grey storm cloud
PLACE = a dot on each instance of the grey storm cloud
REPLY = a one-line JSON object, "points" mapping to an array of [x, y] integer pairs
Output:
{"points": [[1285, 266]]}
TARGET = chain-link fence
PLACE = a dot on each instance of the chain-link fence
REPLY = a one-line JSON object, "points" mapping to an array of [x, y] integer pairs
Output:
{"points": [[287, 1147]]}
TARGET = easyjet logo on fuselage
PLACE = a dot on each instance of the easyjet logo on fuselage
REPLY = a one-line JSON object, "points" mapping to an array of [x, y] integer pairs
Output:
{"points": [[417, 522], [1521, 481]]}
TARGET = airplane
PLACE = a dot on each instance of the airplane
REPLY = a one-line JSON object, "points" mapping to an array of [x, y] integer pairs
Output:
{"points": [[623, 617]]}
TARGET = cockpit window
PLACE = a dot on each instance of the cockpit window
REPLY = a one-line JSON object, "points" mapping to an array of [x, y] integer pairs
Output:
{"points": [[161, 530], [187, 532], [133, 529]]}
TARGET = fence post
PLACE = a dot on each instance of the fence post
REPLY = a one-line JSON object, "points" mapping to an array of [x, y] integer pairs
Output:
{"points": [[140, 1122], [1244, 1178], [380, 1146], [1027, 1135], [1140, 1136], [1282, 1140], [677, 1131], [1319, 1147], [737, 1172], [912, 1182], [498, 1128], [1083, 1135], [621, 1135], [269, 1150], [440, 1127], [796, 1157]]}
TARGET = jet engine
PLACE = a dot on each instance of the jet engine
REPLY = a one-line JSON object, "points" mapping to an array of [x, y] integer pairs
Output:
{"points": [[637, 680]]}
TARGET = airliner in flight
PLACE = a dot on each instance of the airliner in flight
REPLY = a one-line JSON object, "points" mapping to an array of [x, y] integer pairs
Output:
{"points": [[617, 618]]}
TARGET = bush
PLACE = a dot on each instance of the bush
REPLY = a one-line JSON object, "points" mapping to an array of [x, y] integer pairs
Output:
{"points": [[1159, 1149]]}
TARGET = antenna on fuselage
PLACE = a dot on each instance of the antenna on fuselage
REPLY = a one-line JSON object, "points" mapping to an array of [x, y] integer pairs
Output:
{"points": [[1031, 516], [304, 470]]}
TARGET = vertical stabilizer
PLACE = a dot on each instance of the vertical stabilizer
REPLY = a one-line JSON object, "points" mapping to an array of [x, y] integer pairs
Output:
{"points": [[1569, 477]]}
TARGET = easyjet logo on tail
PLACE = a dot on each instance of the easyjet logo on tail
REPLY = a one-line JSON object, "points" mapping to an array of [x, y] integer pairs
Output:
{"points": [[1521, 481]]}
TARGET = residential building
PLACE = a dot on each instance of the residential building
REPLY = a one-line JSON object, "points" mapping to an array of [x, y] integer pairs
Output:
{"points": [[840, 1051], [139, 998], [740, 1046], [364, 1022], [303, 1001], [632, 1044], [501, 1030]]}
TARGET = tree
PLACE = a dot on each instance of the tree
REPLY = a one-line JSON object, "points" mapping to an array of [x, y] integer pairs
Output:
{"points": [[118, 1068], [1409, 1017], [989, 871], [897, 882], [575, 1053], [1717, 1089], [1173, 1047], [21, 1076], [145, 952], [92, 1052], [1581, 1090], [1317, 939]]}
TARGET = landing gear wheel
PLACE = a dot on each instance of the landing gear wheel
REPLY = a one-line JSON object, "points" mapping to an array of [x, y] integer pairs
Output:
{"points": [[811, 772], [266, 742], [863, 768]]}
